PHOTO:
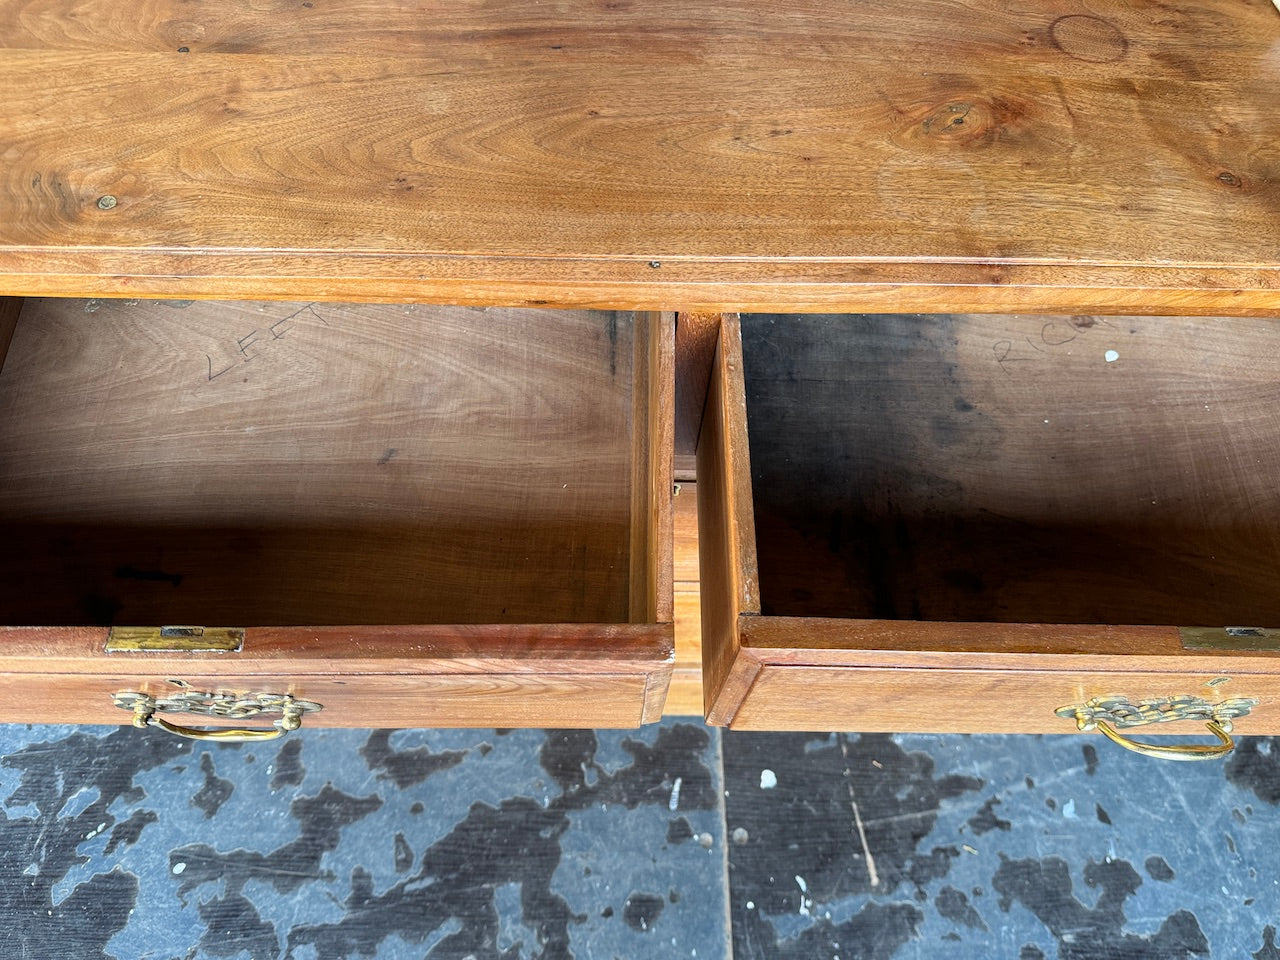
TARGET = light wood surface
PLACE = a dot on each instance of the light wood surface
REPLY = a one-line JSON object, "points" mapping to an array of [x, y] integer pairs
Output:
{"points": [[358, 649], [753, 154], [989, 646], [652, 491], [481, 699], [899, 699], [984, 677], [726, 531], [651, 468], [556, 675], [685, 695], [696, 337]]}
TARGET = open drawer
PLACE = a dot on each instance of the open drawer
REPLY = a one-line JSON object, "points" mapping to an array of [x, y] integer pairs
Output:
{"points": [[406, 515], [991, 523]]}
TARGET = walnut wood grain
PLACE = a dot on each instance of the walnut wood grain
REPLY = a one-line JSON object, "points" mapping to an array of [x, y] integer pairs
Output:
{"points": [[983, 678], [390, 468], [766, 156], [1015, 468], [652, 428], [956, 516], [1070, 46], [726, 531], [696, 336], [240, 463], [989, 646], [10, 308], [482, 699], [651, 473], [685, 696], [357, 649], [899, 698], [557, 675]]}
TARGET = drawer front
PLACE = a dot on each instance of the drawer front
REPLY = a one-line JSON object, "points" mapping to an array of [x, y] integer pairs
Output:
{"points": [[456, 517], [929, 461], [485, 699], [371, 677], [887, 676]]}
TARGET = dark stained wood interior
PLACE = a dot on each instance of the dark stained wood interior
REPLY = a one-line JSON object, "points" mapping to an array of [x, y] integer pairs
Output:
{"points": [[1016, 468], [298, 464]]}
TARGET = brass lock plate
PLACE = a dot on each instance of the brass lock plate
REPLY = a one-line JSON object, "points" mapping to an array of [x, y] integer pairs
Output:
{"points": [[175, 639], [1260, 639]]}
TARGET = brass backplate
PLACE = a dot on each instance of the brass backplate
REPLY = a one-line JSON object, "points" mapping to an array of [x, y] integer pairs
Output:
{"points": [[233, 706], [175, 639], [1230, 638], [1122, 712]]}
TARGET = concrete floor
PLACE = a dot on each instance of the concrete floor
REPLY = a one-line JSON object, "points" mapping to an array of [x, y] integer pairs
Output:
{"points": [[672, 841]]}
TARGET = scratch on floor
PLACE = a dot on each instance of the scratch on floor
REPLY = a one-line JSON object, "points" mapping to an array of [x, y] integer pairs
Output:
{"points": [[872, 875]]}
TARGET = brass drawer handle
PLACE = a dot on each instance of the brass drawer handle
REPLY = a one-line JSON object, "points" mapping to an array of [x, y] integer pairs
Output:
{"points": [[1106, 714], [232, 706], [1187, 751]]}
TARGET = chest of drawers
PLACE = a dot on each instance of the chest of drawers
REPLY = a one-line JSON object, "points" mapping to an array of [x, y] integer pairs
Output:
{"points": [[937, 166]]}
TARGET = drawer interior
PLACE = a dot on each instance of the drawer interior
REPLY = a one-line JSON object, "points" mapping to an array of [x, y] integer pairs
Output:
{"points": [[1015, 469], [236, 463]]}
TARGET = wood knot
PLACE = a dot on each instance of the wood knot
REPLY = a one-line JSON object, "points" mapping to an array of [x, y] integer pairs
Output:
{"points": [[947, 119], [968, 122]]}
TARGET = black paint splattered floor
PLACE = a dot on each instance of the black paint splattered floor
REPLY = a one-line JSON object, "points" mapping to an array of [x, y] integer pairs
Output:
{"points": [[672, 841]]}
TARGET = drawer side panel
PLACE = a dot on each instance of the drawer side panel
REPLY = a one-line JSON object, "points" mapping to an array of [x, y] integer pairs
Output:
{"points": [[726, 530]]}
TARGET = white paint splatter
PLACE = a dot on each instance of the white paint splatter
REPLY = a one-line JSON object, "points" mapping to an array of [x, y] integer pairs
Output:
{"points": [[675, 795], [1111, 356], [1069, 810], [768, 779], [805, 902], [178, 868]]}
